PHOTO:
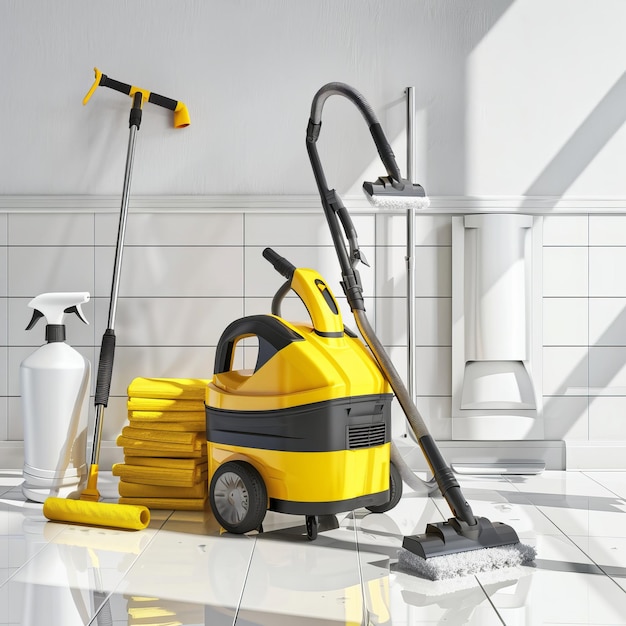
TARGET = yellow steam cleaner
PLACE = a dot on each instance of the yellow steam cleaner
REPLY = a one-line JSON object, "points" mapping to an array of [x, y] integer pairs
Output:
{"points": [[307, 430]]}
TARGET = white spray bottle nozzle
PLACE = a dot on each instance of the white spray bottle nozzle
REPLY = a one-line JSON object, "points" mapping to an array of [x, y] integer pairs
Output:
{"points": [[54, 306]]}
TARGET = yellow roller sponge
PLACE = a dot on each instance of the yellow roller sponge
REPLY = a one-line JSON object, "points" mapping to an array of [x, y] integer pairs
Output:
{"points": [[130, 517]]}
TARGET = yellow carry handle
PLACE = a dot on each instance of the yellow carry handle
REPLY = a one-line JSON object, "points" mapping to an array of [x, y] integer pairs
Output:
{"points": [[314, 293], [181, 115]]}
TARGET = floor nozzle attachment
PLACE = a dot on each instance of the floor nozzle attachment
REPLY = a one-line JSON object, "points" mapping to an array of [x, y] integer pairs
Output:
{"points": [[457, 536]]}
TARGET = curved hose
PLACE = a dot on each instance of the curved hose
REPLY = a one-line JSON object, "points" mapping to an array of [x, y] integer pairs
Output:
{"points": [[382, 145]]}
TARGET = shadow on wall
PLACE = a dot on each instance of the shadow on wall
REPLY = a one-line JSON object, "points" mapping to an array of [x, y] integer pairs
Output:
{"points": [[587, 374], [583, 146]]}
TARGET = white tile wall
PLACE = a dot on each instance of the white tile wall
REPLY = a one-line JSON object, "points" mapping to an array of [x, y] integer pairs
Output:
{"points": [[186, 275], [607, 418], [4, 333], [607, 321], [566, 271], [37, 269], [565, 322], [607, 230], [566, 418], [565, 230]]}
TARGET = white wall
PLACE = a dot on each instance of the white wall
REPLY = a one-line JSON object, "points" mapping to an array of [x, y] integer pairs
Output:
{"points": [[520, 106], [514, 96]]}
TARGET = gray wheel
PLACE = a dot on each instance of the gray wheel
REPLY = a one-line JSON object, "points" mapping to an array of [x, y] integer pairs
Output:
{"points": [[238, 497]]}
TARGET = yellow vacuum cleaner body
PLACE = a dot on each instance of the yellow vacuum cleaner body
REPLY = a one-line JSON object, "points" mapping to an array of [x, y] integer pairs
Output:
{"points": [[307, 430]]}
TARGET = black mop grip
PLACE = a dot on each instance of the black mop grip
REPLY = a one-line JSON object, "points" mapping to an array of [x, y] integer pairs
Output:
{"points": [[154, 98], [105, 81], [162, 101], [105, 368], [281, 265]]}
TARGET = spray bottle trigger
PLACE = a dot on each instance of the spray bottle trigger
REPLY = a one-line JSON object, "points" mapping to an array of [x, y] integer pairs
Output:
{"points": [[79, 312], [37, 315]]}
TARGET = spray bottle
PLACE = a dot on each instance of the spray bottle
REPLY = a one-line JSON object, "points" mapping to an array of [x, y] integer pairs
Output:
{"points": [[54, 386]]}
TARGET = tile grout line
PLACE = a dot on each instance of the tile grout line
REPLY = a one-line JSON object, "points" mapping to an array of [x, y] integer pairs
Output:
{"points": [[571, 540], [245, 582], [110, 594], [364, 609]]}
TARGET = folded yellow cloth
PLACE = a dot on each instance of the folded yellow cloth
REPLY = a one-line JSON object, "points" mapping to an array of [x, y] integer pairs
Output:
{"points": [[161, 475], [181, 388], [167, 416], [164, 436], [190, 426], [137, 490], [160, 453], [168, 463], [166, 446], [181, 504], [164, 404]]}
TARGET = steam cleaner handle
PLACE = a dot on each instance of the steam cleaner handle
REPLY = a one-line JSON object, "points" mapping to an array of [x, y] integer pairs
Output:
{"points": [[281, 265]]}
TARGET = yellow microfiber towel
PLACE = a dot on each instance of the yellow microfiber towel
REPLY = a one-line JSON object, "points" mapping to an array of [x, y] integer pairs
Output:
{"points": [[167, 416], [193, 426], [180, 388], [164, 436], [129, 453], [180, 504], [164, 446], [168, 463], [137, 490], [164, 404], [160, 475]]}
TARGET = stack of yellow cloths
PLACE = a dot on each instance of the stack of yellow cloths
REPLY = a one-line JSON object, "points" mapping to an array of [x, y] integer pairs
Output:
{"points": [[165, 457]]}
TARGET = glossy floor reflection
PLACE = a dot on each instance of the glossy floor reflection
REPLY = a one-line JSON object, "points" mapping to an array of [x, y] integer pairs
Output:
{"points": [[181, 571]]}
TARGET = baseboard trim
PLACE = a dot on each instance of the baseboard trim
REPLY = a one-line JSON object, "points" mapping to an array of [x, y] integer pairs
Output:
{"points": [[552, 454], [596, 455]]}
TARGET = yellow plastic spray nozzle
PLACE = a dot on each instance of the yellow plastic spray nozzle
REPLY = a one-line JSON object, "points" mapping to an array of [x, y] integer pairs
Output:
{"points": [[181, 116]]}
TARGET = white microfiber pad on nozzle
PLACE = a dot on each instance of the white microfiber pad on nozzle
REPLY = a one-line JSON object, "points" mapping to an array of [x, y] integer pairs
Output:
{"points": [[399, 202], [465, 563]]}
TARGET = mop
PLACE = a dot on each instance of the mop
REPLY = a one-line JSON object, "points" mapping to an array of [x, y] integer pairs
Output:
{"points": [[464, 544], [87, 509]]}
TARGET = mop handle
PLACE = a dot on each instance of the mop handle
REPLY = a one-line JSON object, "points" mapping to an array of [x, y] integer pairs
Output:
{"points": [[181, 115]]}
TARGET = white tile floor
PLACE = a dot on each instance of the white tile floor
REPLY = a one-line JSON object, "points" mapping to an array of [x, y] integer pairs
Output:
{"points": [[181, 571]]}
